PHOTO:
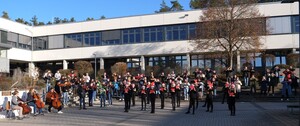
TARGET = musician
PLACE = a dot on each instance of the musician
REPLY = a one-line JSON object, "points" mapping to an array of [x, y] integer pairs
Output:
{"points": [[143, 98], [30, 101], [133, 92], [152, 98], [231, 99], [52, 96], [81, 91], [162, 90], [178, 93], [209, 96], [173, 94], [47, 77], [65, 91], [193, 95], [127, 97], [15, 106], [91, 89]]}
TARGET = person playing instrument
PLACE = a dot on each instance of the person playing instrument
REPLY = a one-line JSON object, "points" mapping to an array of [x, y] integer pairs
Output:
{"points": [[143, 98], [15, 105], [53, 101], [193, 95], [152, 98], [162, 90], [31, 101]]}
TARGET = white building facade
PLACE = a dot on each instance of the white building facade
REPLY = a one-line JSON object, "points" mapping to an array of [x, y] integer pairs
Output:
{"points": [[141, 41]]}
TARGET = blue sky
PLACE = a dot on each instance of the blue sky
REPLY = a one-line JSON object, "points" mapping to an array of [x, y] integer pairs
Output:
{"points": [[46, 10]]}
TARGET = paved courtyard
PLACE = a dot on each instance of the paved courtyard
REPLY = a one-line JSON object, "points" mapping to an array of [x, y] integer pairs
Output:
{"points": [[248, 114]]}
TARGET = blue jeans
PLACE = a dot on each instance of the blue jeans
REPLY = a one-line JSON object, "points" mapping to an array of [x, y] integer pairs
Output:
{"points": [[48, 86], [102, 99], [65, 98], [117, 92], [185, 92], [286, 87], [34, 107], [94, 95], [110, 97], [82, 101], [246, 81]]}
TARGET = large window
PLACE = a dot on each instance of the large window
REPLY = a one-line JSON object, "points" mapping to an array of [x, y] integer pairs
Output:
{"points": [[13, 39], [111, 37], [3, 37], [55, 42], [199, 61], [24, 42], [73, 40], [132, 36], [295, 24], [192, 31], [40, 43], [153, 34], [133, 63], [92, 39], [176, 32], [280, 25]]}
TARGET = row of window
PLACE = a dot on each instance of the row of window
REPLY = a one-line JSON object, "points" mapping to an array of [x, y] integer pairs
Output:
{"points": [[278, 25]]}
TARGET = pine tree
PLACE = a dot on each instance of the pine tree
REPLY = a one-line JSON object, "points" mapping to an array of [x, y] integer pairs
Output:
{"points": [[20, 20], [102, 17], [5, 15], [72, 19], [163, 7], [34, 20], [176, 6], [56, 20]]}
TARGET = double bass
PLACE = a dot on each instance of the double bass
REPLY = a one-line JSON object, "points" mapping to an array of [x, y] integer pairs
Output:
{"points": [[56, 101], [26, 108], [38, 102]]}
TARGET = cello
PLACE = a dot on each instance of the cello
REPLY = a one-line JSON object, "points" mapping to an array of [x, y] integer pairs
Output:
{"points": [[38, 102], [56, 100], [26, 108]]}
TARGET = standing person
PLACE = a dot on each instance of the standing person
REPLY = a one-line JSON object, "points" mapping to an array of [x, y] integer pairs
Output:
{"points": [[102, 91], [186, 85], [116, 87], [143, 98], [87, 78], [15, 106], [272, 83], [253, 83], [47, 78], [90, 93], [162, 77], [133, 92], [53, 99], [148, 89], [208, 73], [193, 96], [127, 97], [209, 96], [173, 94], [110, 91], [57, 76], [246, 75], [231, 99], [122, 87], [252, 71], [263, 86], [178, 94], [225, 92], [286, 89], [152, 98], [238, 85], [228, 72], [294, 83], [162, 95], [81, 91], [276, 71]]}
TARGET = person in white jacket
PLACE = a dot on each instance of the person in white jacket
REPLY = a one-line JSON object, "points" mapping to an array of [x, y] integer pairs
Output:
{"points": [[238, 85]]}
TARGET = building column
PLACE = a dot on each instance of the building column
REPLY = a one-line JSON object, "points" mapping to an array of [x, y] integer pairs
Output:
{"points": [[65, 64], [188, 60], [101, 64], [143, 67], [31, 68], [238, 61]]}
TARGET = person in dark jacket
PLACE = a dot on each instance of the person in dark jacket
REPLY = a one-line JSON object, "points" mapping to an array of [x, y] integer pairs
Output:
{"points": [[193, 96], [81, 91], [263, 86], [152, 98], [272, 83]]}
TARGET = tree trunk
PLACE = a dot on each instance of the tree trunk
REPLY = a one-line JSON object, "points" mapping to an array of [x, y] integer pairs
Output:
{"points": [[230, 60]]}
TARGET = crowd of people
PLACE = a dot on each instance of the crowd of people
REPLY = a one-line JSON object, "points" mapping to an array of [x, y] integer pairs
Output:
{"points": [[127, 88]]}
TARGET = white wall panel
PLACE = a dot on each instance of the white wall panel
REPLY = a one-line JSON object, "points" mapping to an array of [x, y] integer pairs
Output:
{"points": [[19, 54]]}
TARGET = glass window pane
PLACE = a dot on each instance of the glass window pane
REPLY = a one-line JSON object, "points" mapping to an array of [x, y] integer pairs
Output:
{"points": [[283, 60], [208, 63], [258, 62], [277, 60], [194, 63]]}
